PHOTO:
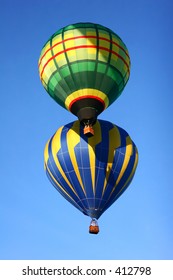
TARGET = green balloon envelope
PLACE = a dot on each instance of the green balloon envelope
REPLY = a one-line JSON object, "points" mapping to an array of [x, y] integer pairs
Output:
{"points": [[84, 67]]}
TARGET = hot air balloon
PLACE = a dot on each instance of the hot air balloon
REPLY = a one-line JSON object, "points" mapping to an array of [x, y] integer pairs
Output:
{"points": [[84, 67], [91, 172]]}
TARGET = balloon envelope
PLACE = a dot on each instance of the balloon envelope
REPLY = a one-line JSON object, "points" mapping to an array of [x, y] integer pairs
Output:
{"points": [[91, 173], [84, 67]]}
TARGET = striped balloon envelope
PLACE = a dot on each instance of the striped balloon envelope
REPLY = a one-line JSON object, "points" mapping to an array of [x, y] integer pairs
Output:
{"points": [[84, 67], [91, 173]]}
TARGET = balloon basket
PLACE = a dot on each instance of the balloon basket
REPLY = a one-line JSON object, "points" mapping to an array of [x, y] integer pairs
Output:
{"points": [[88, 131], [94, 228]]}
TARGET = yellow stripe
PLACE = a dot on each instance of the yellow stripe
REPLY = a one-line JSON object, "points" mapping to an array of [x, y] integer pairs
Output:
{"points": [[56, 146], [73, 138], [56, 182], [133, 170], [114, 143], [92, 142], [84, 92], [129, 152], [132, 173], [46, 154]]}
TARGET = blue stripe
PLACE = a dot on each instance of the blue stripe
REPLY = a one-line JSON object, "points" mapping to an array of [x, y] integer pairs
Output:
{"points": [[56, 173], [119, 188], [66, 164], [102, 152], [110, 202], [116, 168], [127, 172], [63, 194], [82, 156]]}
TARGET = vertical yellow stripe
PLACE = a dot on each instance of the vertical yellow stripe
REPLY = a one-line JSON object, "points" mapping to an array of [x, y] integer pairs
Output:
{"points": [[73, 138], [114, 143], [46, 154], [131, 174], [92, 142], [129, 152], [56, 146], [56, 182]]}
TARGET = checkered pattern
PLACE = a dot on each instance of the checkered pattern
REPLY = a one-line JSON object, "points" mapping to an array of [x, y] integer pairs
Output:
{"points": [[84, 56]]}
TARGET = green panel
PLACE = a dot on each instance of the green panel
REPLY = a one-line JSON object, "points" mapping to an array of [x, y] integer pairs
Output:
{"points": [[111, 73], [88, 65], [53, 81], [59, 97], [79, 25], [101, 67], [65, 71], [94, 80], [74, 67], [91, 65], [109, 84], [83, 67]]}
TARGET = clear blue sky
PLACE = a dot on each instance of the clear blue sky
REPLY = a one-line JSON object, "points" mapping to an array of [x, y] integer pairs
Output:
{"points": [[36, 222]]}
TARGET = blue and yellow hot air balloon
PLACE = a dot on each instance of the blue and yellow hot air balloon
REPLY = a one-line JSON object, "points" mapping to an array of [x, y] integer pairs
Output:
{"points": [[84, 67], [91, 173]]}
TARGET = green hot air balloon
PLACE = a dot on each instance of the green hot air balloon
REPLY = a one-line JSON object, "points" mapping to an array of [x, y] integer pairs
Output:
{"points": [[84, 67], [91, 173]]}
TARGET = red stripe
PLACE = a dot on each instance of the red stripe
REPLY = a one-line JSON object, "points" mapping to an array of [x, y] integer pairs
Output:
{"points": [[79, 37], [86, 96], [85, 46]]}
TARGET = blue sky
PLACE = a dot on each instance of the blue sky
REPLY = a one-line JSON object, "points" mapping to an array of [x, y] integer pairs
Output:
{"points": [[36, 222]]}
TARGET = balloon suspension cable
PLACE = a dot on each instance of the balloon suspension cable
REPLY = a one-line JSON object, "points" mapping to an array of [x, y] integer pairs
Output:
{"points": [[94, 228], [88, 129]]}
